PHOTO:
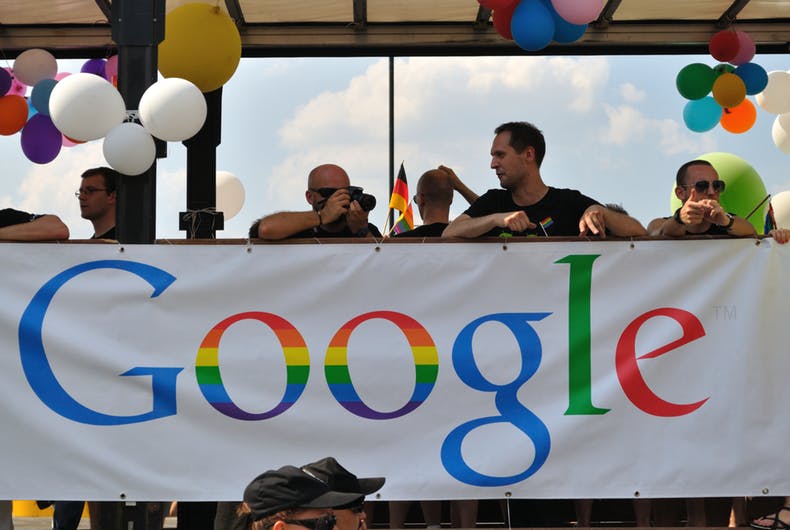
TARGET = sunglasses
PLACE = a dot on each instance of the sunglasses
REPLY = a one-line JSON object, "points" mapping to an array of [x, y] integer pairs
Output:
{"points": [[328, 192], [327, 522], [702, 186]]}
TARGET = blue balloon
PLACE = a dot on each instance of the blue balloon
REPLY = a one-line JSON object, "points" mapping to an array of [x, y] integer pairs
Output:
{"points": [[532, 25], [753, 76], [702, 115], [564, 31], [40, 95], [5, 81]]}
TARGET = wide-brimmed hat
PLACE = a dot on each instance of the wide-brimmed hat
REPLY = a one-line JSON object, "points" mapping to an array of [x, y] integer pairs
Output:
{"points": [[329, 471], [289, 487]]}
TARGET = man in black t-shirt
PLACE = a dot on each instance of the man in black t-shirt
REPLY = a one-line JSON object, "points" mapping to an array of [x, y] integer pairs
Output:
{"points": [[433, 199], [526, 205], [97, 197], [332, 214], [16, 225]]}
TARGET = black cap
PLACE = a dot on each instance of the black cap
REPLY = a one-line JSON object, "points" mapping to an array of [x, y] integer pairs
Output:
{"points": [[289, 487], [340, 479]]}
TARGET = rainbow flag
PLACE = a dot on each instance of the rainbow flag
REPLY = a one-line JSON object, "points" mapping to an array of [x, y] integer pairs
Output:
{"points": [[400, 201]]}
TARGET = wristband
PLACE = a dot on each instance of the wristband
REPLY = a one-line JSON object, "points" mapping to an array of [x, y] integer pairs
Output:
{"points": [[732, 221], [677, 218], [320, 221]]}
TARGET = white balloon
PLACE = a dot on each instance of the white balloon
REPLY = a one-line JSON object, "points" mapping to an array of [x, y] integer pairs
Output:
{"points": [[780, 132], [31, 66], [85, 107], [230, 194], [775, 98], [780, 203], [173, 109], [129, 149]]}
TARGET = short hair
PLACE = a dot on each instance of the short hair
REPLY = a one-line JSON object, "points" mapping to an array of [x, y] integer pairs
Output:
{"points": [[680, 178], [110, 176], [522, 135], [435, 185]]}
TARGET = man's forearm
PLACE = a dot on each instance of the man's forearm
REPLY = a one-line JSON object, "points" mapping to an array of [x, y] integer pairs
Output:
{"points": [[285, 224], [623, 225], [46, 228], [465, 226]]}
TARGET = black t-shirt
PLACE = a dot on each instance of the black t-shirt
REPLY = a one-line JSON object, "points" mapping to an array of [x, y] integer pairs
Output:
{"points": [[558, 212], [431, 230], [321, 233], [9, 217], [109, 234]]}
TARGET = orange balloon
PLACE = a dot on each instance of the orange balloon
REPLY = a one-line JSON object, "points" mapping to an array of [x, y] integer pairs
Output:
{"points": [[739, 119], [729, 90], [13, 114]]}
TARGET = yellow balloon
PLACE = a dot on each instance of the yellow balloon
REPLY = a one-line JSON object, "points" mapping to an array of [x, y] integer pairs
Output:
{"points": [[729, 90], [202, 45]]}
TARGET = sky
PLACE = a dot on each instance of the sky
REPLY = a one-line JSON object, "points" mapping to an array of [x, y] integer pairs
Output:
{"points": [[613, 128]]}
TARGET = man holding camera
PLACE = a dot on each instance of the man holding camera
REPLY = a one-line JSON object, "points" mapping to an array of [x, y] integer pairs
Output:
{"points": [[337, 210]]}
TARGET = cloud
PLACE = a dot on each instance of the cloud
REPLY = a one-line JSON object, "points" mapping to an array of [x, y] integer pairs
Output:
{"points": [[628, 125], [631, 94]]}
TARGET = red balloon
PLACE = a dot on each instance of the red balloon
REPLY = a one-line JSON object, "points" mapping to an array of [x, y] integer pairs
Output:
{"points": [[501, 19], [497, 4], [724, 45], [13, 114]]}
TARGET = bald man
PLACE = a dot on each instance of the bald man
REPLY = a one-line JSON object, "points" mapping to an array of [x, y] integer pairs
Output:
{"points": [[332, 213]]}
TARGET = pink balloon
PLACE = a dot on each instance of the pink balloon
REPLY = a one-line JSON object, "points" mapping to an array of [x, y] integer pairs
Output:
{"points": [[17, 87], [746, 49], [61, 75], [111, 69], [578, 11]]}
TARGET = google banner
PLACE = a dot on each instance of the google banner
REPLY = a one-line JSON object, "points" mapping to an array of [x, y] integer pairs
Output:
{"points": [[456, 370]]}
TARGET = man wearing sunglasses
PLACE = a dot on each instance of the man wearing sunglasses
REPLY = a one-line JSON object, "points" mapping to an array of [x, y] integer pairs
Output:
{"points": [[333, 211], [288, 498], [698, 187]]}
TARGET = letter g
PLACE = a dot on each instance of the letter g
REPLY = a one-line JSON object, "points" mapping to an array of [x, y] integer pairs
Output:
{"points": [[39, 372]]}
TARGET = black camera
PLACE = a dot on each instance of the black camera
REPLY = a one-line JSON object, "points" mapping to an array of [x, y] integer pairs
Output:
{"points": [[366, 201]]}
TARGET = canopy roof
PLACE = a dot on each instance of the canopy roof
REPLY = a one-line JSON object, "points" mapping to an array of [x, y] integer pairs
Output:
{"points": [[271, 28]]}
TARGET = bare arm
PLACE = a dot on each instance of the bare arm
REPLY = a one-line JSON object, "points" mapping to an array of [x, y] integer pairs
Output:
{"points": [[597, 219], [666, 227], [284, 224], [466, 226], [45, 228], [459, 186]]}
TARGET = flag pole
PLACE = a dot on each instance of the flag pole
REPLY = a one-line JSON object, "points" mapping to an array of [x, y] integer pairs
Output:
{"points": [[390, 216]]}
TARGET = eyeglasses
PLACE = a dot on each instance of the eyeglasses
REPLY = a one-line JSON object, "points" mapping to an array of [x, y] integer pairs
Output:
{"points": [[327, 522], [88, 191], [328, 192], [703, 186]]}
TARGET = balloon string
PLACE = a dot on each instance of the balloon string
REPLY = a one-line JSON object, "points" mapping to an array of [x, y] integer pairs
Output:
{"points": [[194, 218]]}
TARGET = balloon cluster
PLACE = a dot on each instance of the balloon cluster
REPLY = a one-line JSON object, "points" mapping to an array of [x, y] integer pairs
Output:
{"points": [[533, 24], [65, 109], [718, 94]]}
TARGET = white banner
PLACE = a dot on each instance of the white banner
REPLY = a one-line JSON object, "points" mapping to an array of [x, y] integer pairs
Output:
{"points": [[478, 370]]}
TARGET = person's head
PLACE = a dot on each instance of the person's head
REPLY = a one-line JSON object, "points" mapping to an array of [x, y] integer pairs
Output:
{"points": [[433, 191], [517, 150], [697, 179], [323, 181], [349, 516], [97, 193], [290, 499]]}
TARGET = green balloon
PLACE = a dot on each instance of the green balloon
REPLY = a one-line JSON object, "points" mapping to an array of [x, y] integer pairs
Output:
{"points": [[743, 192], [695, 80]]}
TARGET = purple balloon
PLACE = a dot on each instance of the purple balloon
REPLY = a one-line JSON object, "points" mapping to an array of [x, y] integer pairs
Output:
{"points": [[94, 66], [5, 81], [41, 140]]}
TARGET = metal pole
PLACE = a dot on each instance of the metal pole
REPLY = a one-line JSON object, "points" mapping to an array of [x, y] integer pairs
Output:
{"points": [[391, 220], [138, 26]]}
